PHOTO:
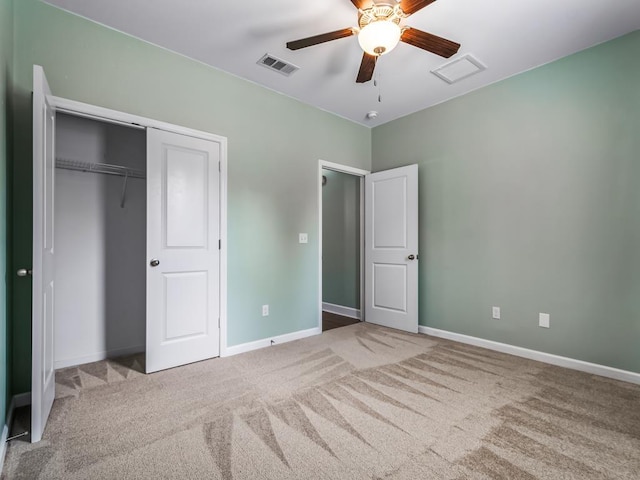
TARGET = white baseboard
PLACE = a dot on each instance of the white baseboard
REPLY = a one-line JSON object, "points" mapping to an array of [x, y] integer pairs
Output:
{"points": [[266, 342], [593, 368], [3, 441], [96, 357], [340, 310]]}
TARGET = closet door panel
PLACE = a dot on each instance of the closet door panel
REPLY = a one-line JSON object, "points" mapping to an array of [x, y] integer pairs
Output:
{"points": [[183, 271], [42, 354], [188, 290], [185, 198]]}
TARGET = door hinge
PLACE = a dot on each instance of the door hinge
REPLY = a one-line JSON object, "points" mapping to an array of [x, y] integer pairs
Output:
{"points": [[219, 244], [218, 322], [219, 166]]}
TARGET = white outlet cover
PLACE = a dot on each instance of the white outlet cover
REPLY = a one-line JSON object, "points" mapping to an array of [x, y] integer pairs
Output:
{"points": [[495, 312], [303, 238], [265, 310], [543, 320]]}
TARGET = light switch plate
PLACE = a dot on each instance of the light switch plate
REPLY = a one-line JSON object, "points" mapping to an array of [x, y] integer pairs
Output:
{"points": [[495, 312], [265, 310], [543, 320], [303, 238]]}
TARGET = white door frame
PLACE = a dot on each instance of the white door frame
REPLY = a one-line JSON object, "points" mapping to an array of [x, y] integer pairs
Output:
{"points": [[73, 107], [357, 172]]}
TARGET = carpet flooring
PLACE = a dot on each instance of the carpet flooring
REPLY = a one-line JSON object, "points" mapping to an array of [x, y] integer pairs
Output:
{"points": [[359, 402]]}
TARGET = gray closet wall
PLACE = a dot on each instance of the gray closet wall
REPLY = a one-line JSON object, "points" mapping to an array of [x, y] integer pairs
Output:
{"points": [[100, 286]]}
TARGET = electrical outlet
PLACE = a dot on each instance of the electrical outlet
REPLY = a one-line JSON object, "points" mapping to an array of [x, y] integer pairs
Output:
{"points": [[265, 310], [543, 320], [495, 312], [303, 238]]}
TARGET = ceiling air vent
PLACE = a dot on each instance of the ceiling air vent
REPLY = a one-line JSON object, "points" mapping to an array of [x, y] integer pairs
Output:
{"points": [[277, 65], [463, 67]]}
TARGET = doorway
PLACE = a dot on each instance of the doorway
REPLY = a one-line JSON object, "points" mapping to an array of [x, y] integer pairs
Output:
{"points": [[341, 217], [100, 239]]}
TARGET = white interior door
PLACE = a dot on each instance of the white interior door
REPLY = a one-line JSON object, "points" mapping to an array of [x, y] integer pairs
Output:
{"points": [[391, 248], [183, 232], [42, 361]]}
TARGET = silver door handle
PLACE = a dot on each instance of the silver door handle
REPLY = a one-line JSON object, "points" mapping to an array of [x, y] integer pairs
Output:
{"points": [[411, 257], [154, 262], [23, 272]]}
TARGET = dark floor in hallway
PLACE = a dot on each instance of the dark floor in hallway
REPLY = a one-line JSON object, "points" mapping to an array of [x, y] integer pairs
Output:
{"points": [[332, 320]]}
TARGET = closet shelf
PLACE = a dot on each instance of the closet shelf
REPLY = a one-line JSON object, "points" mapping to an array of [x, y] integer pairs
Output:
{"points": [[105, 168]]}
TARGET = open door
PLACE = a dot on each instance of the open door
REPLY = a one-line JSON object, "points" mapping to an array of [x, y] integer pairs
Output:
{"points": [[42, 361], [183, 232], [391, 248]]}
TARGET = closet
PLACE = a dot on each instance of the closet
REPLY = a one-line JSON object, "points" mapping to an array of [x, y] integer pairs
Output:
{"points": [[100, 240], [129, 249]]}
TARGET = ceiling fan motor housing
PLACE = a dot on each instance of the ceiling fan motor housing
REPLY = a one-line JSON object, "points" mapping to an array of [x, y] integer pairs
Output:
{"points": [[388, 11]]}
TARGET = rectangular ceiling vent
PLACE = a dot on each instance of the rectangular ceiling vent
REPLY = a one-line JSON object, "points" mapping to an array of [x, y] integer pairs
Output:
{"points": [[459, 69], [277, 65]]}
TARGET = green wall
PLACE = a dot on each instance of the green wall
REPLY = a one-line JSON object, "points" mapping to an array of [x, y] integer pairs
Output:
{"points": [[6, 66], [530, 200], [528, 187], [275, 143], [341, 239]]}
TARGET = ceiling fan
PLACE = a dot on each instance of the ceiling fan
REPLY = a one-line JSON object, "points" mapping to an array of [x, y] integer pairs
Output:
{"points": [[379, 31]]}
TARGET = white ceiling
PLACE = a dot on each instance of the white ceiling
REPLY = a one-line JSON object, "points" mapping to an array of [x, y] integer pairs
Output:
{"points": [[508, 36]]}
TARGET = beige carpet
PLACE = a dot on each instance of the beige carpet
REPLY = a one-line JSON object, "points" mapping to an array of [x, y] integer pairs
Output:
{"points": [[359, 402]]}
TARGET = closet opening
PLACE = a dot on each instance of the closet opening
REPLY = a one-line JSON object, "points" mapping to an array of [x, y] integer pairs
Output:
{"points": [[100, 241]]}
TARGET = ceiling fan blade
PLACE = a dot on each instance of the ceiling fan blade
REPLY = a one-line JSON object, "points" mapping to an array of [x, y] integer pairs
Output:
{"points": [[362, 4], [412, 6], [429, 42], [366, 68], [317, 39]]}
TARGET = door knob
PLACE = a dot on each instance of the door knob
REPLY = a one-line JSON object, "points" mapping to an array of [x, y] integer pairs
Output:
{"points": [[411, 257], [23, 272], [154, 262]]}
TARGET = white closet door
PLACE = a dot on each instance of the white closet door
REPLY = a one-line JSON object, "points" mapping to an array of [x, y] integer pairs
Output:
{"points": [[42, 361], [183, 231], [391, 248]]}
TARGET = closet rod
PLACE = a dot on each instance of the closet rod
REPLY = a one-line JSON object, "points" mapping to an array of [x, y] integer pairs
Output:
{"points": [[104, 168]]}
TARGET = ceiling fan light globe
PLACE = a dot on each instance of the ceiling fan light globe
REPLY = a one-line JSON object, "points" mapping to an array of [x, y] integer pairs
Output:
{"points": [[379, 38]]}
